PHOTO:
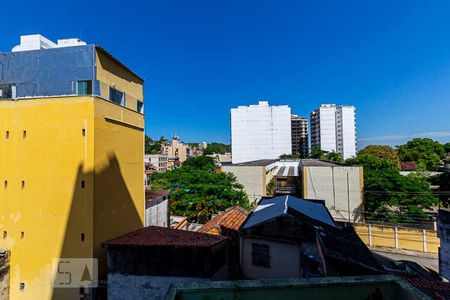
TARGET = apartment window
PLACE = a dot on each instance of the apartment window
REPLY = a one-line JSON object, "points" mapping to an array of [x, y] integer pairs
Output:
{"points": [[261, 255], [23, 184], [140, 106], [7, 134], [7, 91], [116, 96], [22, 235], [83, 184], [82, 237], [24, 134], [84, 87], [5, 184]]}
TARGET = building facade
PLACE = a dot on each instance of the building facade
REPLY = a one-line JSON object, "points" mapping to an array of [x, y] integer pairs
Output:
{"points": [[260, 132], [159, 161], [71, 157], [175, 150], [299, 134], [333, 129]]}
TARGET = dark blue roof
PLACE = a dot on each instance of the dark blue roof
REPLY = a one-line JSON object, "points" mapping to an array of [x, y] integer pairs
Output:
{"points": [[269, 208]]}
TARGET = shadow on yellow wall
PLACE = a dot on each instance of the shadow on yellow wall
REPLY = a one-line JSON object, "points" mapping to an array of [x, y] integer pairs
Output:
{"points": [[101, 209]]}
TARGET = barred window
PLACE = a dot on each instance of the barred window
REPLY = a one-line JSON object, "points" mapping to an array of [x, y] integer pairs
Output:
{"points": [[261, 255]]}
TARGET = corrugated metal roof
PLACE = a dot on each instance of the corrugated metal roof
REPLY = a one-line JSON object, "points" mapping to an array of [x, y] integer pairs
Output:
{"points": [[269, 208]]}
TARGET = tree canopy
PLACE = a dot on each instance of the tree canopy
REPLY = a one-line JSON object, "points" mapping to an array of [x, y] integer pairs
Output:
{"points": [[217, 148], [391, 196], [426, 153], [197, 191], [153, 146], [383, 152]]}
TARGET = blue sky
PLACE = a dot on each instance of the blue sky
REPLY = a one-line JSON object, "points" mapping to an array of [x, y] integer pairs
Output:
{"points": [[200, 58]]}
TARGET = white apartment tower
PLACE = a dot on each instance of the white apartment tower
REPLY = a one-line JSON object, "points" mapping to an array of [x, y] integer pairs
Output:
{"points": [[260, 132], [333, 129]]}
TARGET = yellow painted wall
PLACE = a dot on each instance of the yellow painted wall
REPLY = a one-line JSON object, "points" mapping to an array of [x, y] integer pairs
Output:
{"points": [[119, 174], [52, 209], [52, 159], [408, 238], [110, 73]]}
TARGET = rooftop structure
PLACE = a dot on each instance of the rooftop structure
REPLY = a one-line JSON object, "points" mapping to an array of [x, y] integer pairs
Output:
{"points": [[157, 212], [231, 219]]}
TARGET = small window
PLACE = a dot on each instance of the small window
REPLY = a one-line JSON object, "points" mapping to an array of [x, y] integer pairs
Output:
{"points": [[5, 184], [140, 107], [116, 96], [82, 237], [83, 132], [5, 234], [84, 87], [7, 91], [23, 184], [82, 184], [7, 134], [22, 286], [24, 134], [260, 255], [22, 235]]}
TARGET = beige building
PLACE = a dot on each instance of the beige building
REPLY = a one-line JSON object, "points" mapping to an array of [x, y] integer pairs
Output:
{"points": [[253, 175], [340, 187], [175, 149]]}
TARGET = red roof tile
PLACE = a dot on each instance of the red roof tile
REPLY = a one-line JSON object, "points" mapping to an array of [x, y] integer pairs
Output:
{"points": [[408, 166], [153, 236], [232, 218]]}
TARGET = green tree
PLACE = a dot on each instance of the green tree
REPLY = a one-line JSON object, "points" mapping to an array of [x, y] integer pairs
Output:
{"points": [[443, 181], [389, 195], [153, 146], [383, 152], [317, 153], [333, 156], [197, 191], [217, 148], [289, 156], [426, 153], [447, 148]]}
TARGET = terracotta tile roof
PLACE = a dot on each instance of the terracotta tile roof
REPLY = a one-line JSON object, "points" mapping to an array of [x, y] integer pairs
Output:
{"points": [[232, 218], [154, 236], [434, 288], [408, 166]]}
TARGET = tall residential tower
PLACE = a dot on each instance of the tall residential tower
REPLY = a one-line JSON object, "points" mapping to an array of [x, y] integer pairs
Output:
{"points": [[333, 129], [299, 130], [260, 132]]}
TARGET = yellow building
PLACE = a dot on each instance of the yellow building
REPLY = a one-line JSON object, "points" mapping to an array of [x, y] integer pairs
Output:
{"points": [[71, 160]]}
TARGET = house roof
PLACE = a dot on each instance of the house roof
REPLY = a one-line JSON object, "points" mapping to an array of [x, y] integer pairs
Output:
{"points": [[255, 163], [408, 166], [318, 163], [155, 194], [232, 219], [269, 208], [112, 57], [153, 236]]}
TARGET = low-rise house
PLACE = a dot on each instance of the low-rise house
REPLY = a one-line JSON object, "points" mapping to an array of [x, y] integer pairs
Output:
{"points": [[157, 211], [288, 237], [227, 223], [254, 176], [144, 263]]}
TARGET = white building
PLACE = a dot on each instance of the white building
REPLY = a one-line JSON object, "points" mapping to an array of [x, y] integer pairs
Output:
{"points": [[333, 129], [159, 161], [260, 132]]}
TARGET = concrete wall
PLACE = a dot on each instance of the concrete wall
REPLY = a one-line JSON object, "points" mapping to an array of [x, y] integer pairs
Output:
{"points": [[131, 287], [340, 187], [414, 239], [157, 213], [284, 260], [253, 178]]}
